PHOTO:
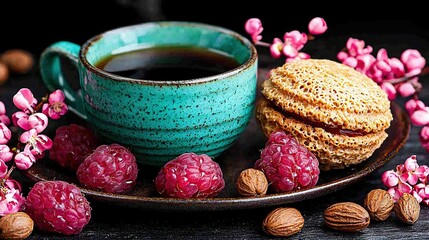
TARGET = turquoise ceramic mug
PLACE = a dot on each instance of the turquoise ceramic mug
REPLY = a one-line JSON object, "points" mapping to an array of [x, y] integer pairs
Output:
{"points": [[159, 120]]}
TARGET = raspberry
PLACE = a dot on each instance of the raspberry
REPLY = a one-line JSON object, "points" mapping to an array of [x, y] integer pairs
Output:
{"points": [[287, 164], [190, 176], [58, 206], [110, 168], [71, 145]]}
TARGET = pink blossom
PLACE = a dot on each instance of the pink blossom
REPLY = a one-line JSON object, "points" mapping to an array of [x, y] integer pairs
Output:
{"points": [[357, 47], [420, 117], [38, 121], [398, 68], [5, 153], [300, 55], [25, 159], [350, 61], [394, 193], [5, 134], [407, 170], [253, 27], [400, 168], [3, 169], [3, 117], [412, 105], [24, 100], [295, 39], [364, 62], [389, 89], [303, 55], [406, 89], [412, 59], [2, 108], [413, 72], [317, 26], [390, 178], [424, 137], [17, 116], [422, 190], [276, 48], [411, 163], [382, 55], [12, 200], [375, 73], [408, 178], [38, 143], [55, 108], [422, 172], [404, 187], [342, 56], [417, 196], [289, 51], [383, 66]]}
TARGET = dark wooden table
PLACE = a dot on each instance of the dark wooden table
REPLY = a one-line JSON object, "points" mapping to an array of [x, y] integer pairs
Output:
{"points": [[120, 222]]}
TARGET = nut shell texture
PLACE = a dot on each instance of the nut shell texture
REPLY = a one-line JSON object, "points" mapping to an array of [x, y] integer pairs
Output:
{"points": [[252, 182], [346, 217], [407, 209], [379, 204], [283, 222], [16, 226]]}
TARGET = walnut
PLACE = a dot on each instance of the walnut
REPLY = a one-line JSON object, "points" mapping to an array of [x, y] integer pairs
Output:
{"points": [[252, 182], [379, 204], [407, 209]]}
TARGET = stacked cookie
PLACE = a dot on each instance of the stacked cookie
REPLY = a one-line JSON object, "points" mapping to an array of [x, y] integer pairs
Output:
{"points": [[335, 111]]}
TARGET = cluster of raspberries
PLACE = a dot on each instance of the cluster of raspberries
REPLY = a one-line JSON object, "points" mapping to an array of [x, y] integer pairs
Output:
{"points": [[113, 168]]}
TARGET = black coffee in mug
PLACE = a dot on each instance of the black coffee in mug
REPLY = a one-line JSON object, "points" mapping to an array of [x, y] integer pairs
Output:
{"points": [[168, 63]]}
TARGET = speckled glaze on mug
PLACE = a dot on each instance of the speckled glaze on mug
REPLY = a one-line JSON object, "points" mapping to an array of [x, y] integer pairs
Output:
{"points": [[159, 120]]}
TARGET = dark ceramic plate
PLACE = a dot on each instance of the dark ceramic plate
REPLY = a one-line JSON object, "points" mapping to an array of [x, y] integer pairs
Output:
{"points": [[240, 156]]}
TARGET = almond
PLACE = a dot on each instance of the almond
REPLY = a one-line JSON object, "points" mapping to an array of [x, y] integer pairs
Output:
{"points": [[346, 217], [283, 222], [17, 60]]}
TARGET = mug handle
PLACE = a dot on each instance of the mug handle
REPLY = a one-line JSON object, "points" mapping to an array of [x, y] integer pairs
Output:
{"points": [[52, 75]]}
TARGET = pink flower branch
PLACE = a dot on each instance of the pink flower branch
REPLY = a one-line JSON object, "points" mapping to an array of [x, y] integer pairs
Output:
{"points": [[32, 144], [292, 42]]}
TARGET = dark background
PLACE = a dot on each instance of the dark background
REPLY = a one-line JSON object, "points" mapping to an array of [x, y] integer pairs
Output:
{"points": [[33, 25]]}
